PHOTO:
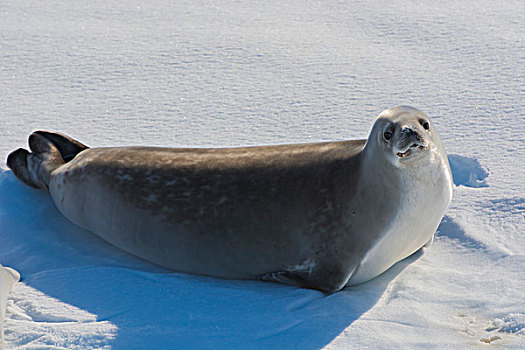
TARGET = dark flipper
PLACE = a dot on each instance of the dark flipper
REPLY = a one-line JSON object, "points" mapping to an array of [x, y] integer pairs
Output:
{"points": [[326, 278], [67, 146], [34, 169], [284, 277], [17, 162], [300, 279]]}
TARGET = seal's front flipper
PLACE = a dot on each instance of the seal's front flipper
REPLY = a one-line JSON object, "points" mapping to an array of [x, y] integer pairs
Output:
{"points": [[328, 278], [34, 169], [285, 277], [67, 146]]}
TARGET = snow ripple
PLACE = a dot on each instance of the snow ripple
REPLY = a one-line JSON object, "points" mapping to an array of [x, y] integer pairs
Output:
{"points": [[512, 205]]}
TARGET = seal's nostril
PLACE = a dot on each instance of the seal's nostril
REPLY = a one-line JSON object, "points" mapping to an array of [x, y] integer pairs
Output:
{"points": [[409, 133]]}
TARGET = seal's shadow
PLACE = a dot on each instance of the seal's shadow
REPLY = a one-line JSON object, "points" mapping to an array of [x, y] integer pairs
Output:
{"points": [[155, 308]]}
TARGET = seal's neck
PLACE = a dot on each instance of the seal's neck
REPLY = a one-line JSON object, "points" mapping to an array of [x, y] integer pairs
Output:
{"points": [[377, 167]]}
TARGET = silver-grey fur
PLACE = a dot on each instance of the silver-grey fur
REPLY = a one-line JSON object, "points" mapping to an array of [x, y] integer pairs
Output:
{"points": [[315, 215]]}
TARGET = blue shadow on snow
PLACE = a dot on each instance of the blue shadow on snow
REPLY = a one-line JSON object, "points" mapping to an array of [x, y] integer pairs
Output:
{"points": [[468, 171]]}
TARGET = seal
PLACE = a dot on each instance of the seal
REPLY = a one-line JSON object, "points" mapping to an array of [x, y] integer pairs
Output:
{"points": [[318, 215]]}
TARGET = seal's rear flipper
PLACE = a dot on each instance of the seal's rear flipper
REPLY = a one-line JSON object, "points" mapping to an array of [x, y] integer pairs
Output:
{"points": [[17, 162], [34, 169], [67, 146]]}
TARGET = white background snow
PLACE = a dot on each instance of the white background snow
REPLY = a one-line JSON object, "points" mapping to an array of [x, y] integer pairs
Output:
{"points": [[229, 73]]}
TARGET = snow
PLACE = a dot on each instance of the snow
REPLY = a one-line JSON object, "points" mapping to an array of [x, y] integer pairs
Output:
{"points": [[204, 73], [8, 277]]}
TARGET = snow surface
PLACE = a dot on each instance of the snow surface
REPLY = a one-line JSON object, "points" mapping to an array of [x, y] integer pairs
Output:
{"points": [[226, 73], [8, 277]]}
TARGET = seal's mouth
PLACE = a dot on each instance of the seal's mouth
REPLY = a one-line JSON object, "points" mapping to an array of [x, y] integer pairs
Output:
{"points": [[412, 148]]}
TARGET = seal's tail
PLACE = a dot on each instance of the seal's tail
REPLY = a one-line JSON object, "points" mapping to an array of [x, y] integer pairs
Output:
{"points": [[49, 151]]}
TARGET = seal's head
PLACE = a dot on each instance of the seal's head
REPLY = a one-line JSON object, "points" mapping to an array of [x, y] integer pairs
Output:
{"points": [[405, 135]]}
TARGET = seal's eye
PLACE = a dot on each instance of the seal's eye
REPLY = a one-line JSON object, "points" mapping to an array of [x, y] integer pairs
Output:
{"points": [[387, 135], [425, 124]]}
